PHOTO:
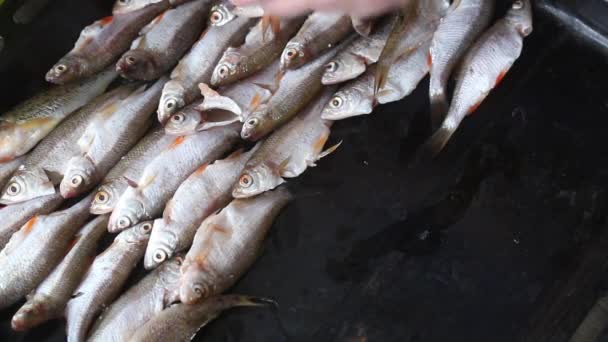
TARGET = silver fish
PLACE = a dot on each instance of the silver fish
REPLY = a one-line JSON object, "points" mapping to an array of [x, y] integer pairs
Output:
{"points": [[354, 59], [102, 42], [357, 97], [456, 33], [7, 169], [29, 10], [16, 215], [110, 135], [131, 166], [29, 122], [44, 167], [198, 64], [36, 249], [163, 42], [483, 68], [225, 11], [142, 302], [206, 191], [50, 297], [126, 6], [146, 199], [227, 244], [104, 279], [288, 152], [320, 32], [181, 322]]}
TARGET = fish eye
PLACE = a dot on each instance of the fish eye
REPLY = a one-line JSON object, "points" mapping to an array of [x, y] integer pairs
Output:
{"points": [[102, 197], [253, 122], [124, 222], [170, 104], [199, 290], [179, 261], [13, 189], [291, 53], [131, 60], [160, 256], [246, 181], [336, 102], [146, 227], [331, 67], [223, 71], [518, 5], [178, 118], [61, 68], [77, 180], [216, 17]]}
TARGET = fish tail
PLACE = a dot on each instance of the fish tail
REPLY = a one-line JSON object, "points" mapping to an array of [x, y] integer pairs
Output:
{"points": [[439, 107], [434, 145], [381, 77], [255, 301]]}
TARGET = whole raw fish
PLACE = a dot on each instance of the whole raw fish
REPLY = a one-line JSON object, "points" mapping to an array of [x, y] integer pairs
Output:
{"points": [[164, 41], [320, 32], [16, 215], [227, 244], [285, 104], [357, 97], [206, 191], [198, 64], [104, 279], [261, 48], [44, 167], [125, 6], [29, 122], [146, 198], [49, 299], [456, 33], [145, 300], [110, 135], [7, 169], [354, 59], [101, 43], [131, 166], [483, 68], [181, 322], [34, 251], [288, 152]]}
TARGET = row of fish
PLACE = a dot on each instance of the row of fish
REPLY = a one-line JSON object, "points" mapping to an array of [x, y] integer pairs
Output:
{"points": [[181, 189]]}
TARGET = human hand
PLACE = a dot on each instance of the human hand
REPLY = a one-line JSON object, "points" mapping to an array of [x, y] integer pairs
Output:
{"points": [[360, 8]]}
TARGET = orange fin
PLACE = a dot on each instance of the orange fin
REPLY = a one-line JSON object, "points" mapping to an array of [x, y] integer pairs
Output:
{"points": [[474, 107], [201, 169], [329, 151], [429, 60], [107, 20], [29, 225], [178, 141], [500, 77], [255, 102]]}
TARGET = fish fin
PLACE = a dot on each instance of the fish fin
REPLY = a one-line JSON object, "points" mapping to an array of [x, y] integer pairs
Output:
{"points": [[282, 167], [147, 182], [329, 151], [236, 154], [131, 182], [213, 100], [434, 145], [201, 169], [381, 77], [272, 22], [106, 20], [500, 77], [178, 141], [256, 101], [439, 109]]}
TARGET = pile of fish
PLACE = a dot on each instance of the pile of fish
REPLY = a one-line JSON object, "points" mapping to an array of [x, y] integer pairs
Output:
{"points": [[186, 191]]}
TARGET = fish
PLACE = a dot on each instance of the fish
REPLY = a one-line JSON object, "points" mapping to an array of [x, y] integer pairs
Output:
{"points": [[104, 279], [163, 42], [414, 25], [180, 322], [49, 299], [483, 68], [197, 65], [283, 105], [288, 152], [456, 33], [225, 11], [206, 191], [101, 43], [25, 125], [34, 251], [227, 244], [259, 51], [140, 303], [126, 6], [29, 10], [233, 105], [130, 166], [146, 198], [44, 166], [320, 32], [7, 169], [354, 60], [357, 97], [109, 136], [16, 215]]}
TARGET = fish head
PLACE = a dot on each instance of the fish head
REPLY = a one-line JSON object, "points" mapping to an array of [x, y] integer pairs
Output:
{"points": [[347, 103], [136, 64], [293, 56], [520, 17], [69, 68], [105, 200], [256, 126], [184, 122], [195, 283], [342, 69], [128, 212], [172, 100], [221, 15], [31, 314], [257, 180], [226, 70], [162, 244], [26, 185], [80, 176], [125, 6], [136, 235]]}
